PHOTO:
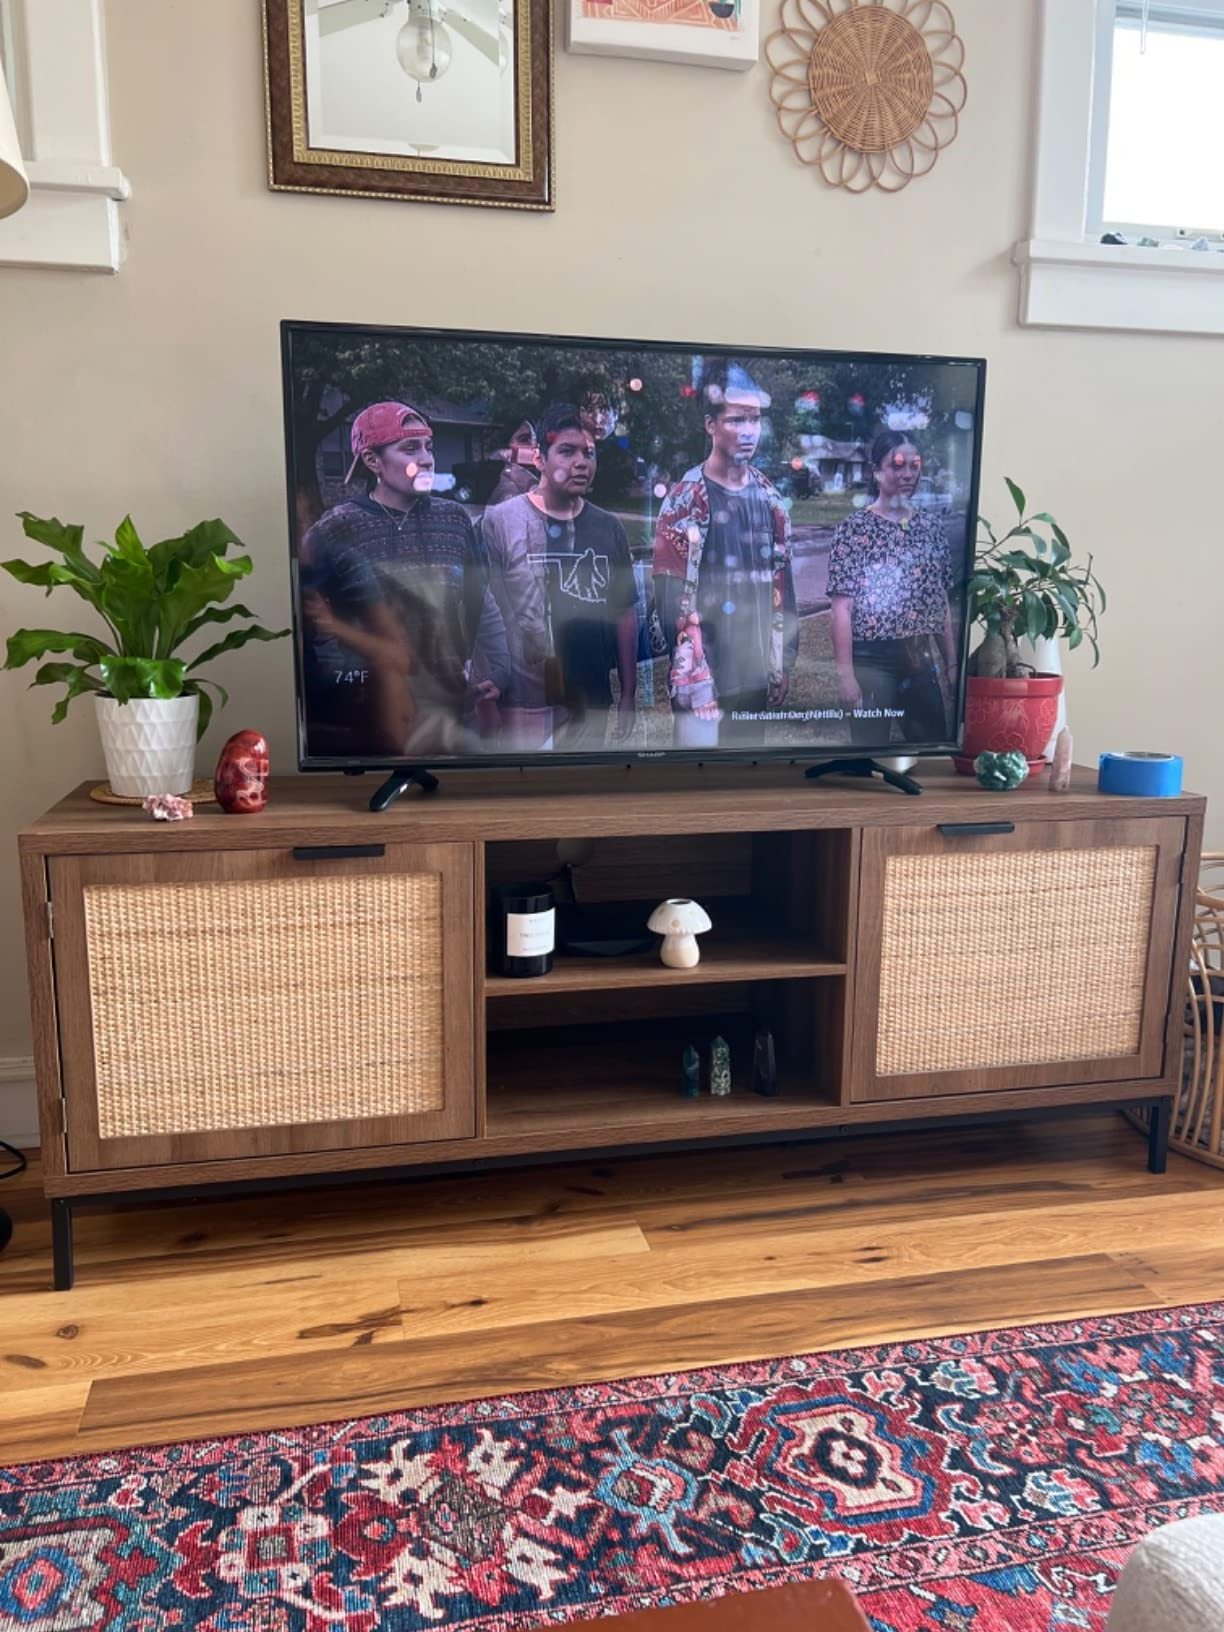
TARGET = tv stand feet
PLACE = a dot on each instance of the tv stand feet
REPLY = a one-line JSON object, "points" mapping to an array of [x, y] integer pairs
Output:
{"points": [[399, 782], [1160, 1121], [864, 767], [61, 1244]]}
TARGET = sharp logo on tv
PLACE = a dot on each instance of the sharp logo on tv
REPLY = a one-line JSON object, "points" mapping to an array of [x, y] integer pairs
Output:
{"points": [[515, 548]]}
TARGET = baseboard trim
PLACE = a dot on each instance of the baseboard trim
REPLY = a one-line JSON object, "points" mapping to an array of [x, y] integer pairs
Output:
{"points": [[18, 1103]]}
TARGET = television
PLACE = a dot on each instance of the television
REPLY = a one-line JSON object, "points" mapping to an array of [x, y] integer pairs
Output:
{"points": [[517, 549]]}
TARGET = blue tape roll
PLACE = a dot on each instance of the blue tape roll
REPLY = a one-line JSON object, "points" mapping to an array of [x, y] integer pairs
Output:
{"points": [[1148, 776]]}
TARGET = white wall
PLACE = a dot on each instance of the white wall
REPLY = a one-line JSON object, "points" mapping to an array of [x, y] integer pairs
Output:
{"points": [[682, 213]]}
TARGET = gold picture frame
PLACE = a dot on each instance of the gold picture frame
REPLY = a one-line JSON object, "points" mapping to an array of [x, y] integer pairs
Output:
{"points": [[342, 114]]}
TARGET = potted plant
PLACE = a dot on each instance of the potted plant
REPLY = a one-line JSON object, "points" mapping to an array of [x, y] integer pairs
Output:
{"points": [[1024, 584], [152, 704]]}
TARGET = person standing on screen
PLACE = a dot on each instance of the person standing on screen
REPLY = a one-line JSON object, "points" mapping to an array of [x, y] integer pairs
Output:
{"points": [[561, 572], [722, 555], [521, 470], [890, 571], [393, 587]]}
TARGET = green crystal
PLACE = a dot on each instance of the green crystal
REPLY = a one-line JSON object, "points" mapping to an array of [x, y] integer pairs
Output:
{"points": [[1000, 772]]}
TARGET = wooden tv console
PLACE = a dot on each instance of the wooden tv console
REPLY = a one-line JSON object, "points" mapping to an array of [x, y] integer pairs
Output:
{"points": [[247, 1000]]}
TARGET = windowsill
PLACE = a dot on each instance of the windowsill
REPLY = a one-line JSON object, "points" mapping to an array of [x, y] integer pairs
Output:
{"points": [[1078, 285], [67, 176], [71, 220]]}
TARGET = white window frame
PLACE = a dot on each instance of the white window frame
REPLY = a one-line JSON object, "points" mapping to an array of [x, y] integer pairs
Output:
{"points": [[1192, 17], [1068, 278], [55, 65]]}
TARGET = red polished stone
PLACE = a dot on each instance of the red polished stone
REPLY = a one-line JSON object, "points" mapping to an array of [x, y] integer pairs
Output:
{"points": [[241, 780]]}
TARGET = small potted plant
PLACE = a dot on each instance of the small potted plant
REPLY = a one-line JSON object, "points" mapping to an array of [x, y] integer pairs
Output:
{"points": [[152, 704], [1024, 584]]}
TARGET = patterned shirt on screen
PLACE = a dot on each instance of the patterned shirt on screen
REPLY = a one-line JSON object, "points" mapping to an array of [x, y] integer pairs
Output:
{"points": [[898, 577]]}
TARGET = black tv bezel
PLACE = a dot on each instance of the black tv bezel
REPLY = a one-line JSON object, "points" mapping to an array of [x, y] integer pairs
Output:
{"points": [[355, 763]]}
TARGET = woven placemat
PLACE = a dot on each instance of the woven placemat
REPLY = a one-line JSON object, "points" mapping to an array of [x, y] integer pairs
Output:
{"points": [[201, 793], [871, 78]]}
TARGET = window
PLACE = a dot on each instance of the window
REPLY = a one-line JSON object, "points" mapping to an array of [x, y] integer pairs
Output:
{"points": [[1158, 125], [1129, 135]]}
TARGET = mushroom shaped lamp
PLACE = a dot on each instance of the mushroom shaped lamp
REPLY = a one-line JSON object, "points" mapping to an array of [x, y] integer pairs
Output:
{"points": [[679, 922]]}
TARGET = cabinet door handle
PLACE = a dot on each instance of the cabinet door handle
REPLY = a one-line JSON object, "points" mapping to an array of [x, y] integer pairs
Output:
{"points": [[974, 830], [336, 852]]}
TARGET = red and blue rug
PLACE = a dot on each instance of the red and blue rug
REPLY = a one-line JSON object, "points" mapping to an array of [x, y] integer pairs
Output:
{"points": [[988, 1483]]}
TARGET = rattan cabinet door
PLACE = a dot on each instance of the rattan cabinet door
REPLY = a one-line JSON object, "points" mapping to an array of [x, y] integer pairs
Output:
{"points": [[240, 1004], [1023, 959]]}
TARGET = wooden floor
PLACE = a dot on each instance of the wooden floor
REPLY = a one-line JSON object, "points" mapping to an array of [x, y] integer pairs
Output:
{"points": [[207, 1317]]}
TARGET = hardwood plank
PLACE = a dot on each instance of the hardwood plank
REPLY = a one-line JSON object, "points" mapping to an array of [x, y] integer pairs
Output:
{"points": [[790, 1261], [393, 1376], [911, 1201], [130, 1326], [44, 1423], [1178, 1273], [101, 1330]]}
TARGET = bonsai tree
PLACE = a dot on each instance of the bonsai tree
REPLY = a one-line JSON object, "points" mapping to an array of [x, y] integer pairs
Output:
{"points": [[1024, 584], [150, 602]]}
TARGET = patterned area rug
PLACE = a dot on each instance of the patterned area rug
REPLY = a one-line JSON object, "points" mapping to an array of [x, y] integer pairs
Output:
{"points": [[991, 1483]]}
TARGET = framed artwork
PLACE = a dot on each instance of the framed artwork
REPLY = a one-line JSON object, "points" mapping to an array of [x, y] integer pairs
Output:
{"points": [[703, 33], [442, 101]]}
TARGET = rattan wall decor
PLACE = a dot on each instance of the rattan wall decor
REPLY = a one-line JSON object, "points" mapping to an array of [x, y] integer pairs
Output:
{"points": [[867, 91]]}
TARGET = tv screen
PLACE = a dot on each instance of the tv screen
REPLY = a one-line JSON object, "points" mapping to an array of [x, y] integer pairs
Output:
{"points": [[522, 548]]}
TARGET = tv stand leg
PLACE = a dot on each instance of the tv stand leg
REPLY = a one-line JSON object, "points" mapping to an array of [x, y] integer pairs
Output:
{"points": [[1160, 1119], [399, 782], [61, 1244], [864, 767]]}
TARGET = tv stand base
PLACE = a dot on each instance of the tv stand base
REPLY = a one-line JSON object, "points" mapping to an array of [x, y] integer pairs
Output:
{"points": [[864, 767], [399, 782]]}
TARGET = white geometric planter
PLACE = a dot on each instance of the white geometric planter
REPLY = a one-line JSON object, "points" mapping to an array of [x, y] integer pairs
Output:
{"points": [[149, 743]]}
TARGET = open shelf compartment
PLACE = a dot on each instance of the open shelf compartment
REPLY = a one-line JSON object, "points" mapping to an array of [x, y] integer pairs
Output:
{"points": [[779, 904], [612, 1061]]}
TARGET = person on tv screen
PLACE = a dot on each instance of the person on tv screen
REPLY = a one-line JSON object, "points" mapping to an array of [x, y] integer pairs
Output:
{"points": [[890, 571], [393, 590], [561, 572], [598, 409], [521, 470], [722, 566]]}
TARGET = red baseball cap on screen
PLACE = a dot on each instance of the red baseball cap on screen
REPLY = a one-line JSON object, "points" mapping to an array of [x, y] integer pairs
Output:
{"points": [[379, 425]]}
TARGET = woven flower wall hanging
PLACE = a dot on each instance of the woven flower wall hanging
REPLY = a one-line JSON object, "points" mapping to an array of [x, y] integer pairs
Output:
{"points": [[869, 91]]}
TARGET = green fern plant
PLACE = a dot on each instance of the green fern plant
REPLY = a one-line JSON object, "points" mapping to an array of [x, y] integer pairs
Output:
{"points": [[1025, 584], [151, 601]]}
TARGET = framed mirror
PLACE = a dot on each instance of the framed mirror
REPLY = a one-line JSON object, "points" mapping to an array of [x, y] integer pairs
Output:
{"points": [[445, 101]]}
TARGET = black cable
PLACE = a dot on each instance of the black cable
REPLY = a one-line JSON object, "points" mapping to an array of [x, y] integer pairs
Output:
{"points": [[18, 1156]]}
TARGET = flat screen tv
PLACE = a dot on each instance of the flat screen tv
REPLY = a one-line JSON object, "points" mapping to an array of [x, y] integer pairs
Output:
{"points": [[517, 549]]}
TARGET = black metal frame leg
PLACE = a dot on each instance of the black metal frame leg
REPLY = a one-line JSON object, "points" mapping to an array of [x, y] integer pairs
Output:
{"points": [[1159, 1124], [61, 1244]]}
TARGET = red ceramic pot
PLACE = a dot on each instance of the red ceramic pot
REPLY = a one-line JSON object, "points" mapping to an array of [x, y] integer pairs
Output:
{"points": [[1009, 714]]}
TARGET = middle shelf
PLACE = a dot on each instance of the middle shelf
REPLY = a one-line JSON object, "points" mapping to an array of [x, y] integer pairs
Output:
{"points": [[724, 959]]}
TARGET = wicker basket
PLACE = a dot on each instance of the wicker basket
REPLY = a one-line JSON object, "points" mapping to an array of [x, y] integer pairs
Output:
{"points": [[1198, 1114]]}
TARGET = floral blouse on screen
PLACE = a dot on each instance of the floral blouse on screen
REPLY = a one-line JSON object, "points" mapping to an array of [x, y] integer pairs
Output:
{"points": [[897, 576]]}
